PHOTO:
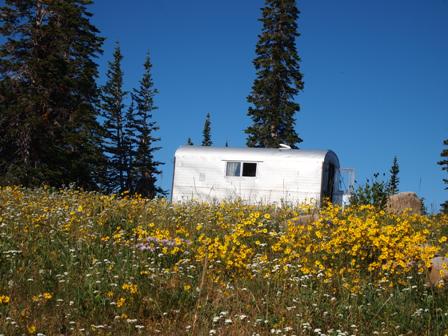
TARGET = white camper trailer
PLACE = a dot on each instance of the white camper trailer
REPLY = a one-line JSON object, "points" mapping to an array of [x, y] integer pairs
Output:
{"points": [[255, 175]]}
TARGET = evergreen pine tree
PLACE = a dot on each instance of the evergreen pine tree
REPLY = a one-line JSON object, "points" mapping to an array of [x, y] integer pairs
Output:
{"points": [[444, 164], [112, 106], [206, 133], [145, 165], [190, 142], [394, 179], [130, 141], [48, 94], [278, 78]]}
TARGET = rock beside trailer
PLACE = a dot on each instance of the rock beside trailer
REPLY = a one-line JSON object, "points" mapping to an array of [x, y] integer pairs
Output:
{"points": [[404, 201]]}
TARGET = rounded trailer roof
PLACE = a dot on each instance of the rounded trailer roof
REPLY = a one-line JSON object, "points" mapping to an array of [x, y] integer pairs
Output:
{"points": [[256, 154]]}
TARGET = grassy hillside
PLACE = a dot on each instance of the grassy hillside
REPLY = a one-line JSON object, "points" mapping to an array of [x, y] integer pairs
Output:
{"points": [[77, 263]]}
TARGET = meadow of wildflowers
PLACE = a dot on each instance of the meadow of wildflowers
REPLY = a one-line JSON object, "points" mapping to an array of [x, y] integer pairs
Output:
{"points": [[78, 263]]}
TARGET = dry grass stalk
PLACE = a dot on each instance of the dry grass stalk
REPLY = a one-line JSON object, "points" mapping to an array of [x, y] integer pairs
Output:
{"points": [[201, 286]]}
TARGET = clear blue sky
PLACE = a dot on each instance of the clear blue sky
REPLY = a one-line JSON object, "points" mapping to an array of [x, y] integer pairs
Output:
{"points": [[375, 72]]}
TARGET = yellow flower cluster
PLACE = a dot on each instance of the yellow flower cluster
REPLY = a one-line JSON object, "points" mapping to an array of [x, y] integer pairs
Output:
{"points": [[46, 296], [120, 302], [32, 329], [4, 299], [358, 240], [129, 287], [234, 247]]}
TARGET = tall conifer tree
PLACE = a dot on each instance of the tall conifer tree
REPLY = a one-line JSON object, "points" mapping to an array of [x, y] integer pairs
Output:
{"points": [[278, 78], [112, 106], [130, 142], [145, 166], [394, 179], [206, 133], [48, 93], [444, 164]]}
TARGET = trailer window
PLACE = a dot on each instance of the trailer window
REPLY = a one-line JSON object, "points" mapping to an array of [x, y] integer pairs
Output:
{"points": [[249, 169], [233, 169]]}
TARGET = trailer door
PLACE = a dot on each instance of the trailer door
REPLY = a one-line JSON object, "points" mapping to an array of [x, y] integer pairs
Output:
{"points": [[328, 182]]}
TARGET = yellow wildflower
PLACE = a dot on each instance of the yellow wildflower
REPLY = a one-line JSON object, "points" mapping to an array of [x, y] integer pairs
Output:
{"points": [[47, 296], [32, 329], [4, 299], [131, 288], [120, 302]]}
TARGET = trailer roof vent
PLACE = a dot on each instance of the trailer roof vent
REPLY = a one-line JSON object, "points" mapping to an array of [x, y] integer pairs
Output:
{"points": [[283, 146]]}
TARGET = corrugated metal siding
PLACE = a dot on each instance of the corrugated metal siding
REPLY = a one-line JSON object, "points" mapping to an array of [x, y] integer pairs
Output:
{"points": [[282, 175]]}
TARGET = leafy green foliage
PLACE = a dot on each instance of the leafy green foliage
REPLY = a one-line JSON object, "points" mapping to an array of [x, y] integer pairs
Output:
{"points": [[278, 78], [374, 192], [48, 92], [206, 133], [444, 207]]}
